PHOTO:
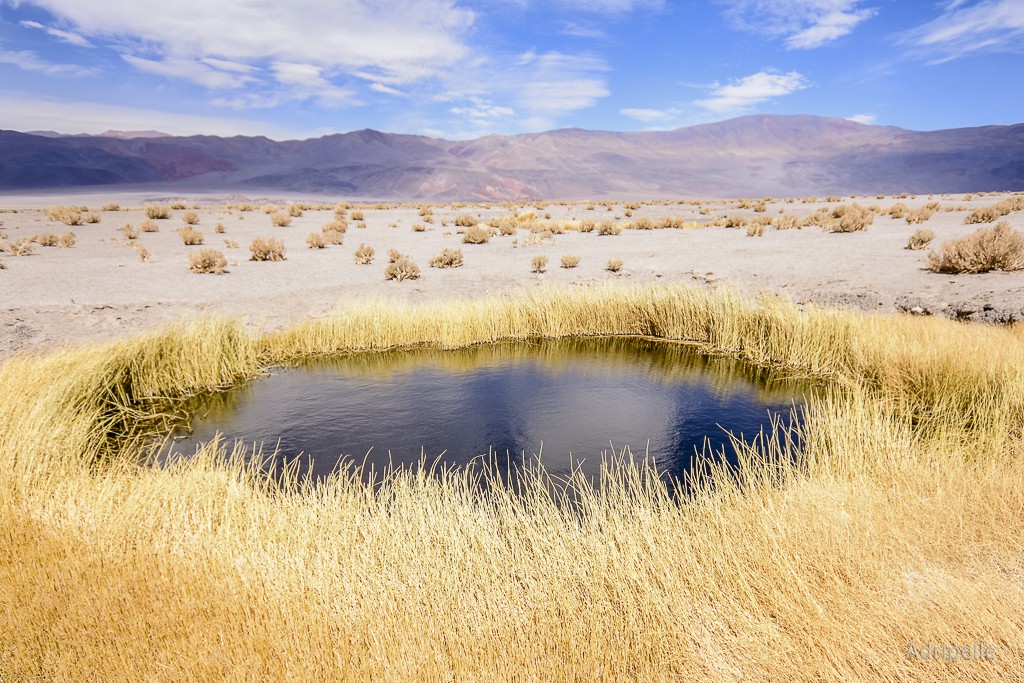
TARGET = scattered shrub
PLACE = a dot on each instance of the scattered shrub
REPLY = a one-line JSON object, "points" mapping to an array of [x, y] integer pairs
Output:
{"points": [[190, 217], [219, 229], [609, 228], [333, 236], [111, 207], [337, 225], [922, 214], [149, 226], [570, 261], [66, 240], [643, 223], [280, 220], [401, 267], [295, 211], [358, 216], [190, 236], [755, 230], [68, 215], [178, 206], [206, 261], [476, 234], [364, 255], [587, 225], [266, 249], [464, 220], [987, 214], [131, 232], [157, 211], [614, 265], [984, 250], [449, 258], [418, 227], [843, 218], [539, 263], [921, 238], [315, 240], [231, 244], [47, 239]]}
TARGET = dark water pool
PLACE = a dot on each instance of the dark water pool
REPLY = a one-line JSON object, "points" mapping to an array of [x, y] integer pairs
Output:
{"points": [[565, 400]]}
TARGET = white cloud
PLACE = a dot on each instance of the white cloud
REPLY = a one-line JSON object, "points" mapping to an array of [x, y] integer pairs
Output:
{"points": [[400, 40], [25, 111], [963, 29], [866, 119], [740, 95], [200, 72], [387, 90], [803, 24], [649, 115], [553, 84], [482, 112], [66, 36], [30, 61]]}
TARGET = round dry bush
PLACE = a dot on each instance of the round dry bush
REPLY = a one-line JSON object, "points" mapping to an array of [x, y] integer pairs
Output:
{"points": [[920, 239], [984, 250], [157, 211], [189, 236], [204, 261], [465, 220], [266, 249], [149, 226], [334, 236], [609, 228], [131, 232], [476, 235], [539, 263], [614, 265], [68, 215], [337, 225], [357, 216], [364, 255], [449, 258], [47, 239], [190, 217], [402, 268], [570, 261], [66, 240], [280, 220], [316, 240]]}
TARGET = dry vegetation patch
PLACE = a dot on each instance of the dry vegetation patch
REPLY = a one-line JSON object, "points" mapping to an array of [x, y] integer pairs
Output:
{"points": [[206, 261], [984, 250], [364, 255], [448, 258], [266, 249]]}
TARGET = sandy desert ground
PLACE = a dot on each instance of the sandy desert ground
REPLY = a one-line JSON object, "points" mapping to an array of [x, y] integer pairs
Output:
{"points": [[100, 288]]}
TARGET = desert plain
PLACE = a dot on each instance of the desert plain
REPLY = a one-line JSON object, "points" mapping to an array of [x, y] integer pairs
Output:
{"points": [[101, 288]]}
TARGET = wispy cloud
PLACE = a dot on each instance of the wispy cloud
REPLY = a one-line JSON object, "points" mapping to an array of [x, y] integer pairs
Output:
{"points": [[802, 24], [740, 95], [65, 36], [966, 28], [651, 115], [866, 119], [30, 61]]}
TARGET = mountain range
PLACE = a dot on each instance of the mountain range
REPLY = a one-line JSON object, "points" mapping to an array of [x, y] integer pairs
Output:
{"points": [[751, 156]]}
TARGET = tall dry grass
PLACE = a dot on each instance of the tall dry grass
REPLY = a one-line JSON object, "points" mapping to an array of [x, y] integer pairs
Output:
{"points": [[896, 522]]}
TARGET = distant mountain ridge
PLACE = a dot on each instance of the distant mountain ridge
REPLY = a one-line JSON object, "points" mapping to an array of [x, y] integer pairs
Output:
{"points": [[749, 156]]}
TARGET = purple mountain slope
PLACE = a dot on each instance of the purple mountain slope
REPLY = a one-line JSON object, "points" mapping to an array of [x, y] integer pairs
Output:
{"points": [[745, 157]]}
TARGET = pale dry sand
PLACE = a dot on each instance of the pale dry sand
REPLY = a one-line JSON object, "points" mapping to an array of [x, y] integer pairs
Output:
{"points": [[99, 289]]}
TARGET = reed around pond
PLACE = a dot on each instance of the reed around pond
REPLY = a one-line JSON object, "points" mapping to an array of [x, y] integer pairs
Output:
{"points": [[896, 526]]}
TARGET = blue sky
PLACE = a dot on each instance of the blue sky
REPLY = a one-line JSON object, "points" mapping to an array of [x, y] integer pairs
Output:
{"points": [[464, 68]]}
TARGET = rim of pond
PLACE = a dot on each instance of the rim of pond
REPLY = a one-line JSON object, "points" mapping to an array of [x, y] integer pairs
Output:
{"points": [[437, 407]]}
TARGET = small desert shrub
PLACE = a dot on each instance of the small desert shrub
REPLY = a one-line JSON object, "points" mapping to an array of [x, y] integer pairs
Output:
{"points": [[66, 240], [316, 240], [337, 225], [987, 214], [358, 216], [207, 261], [295, 211], [418, 227], [190, 217], [157, 211], [570, 261], [539, 263], [178, 206], [614, 265], [3, 266], [47, 239], [449, 258], [149, 226], [842, 218], [643, 223], [333, 236], [364, 255], [280, 220], [507, 226], [111, 207], [735, 222], [219, 229], [68, 215], [476, 234], [231, 244], [609, 228], [190, 236], [266, 249], [922, 214], [755, 230], [426, 211], [464, 220], [131, 232], [984, 250], [401, 267], [921, 238], [587, 225]]}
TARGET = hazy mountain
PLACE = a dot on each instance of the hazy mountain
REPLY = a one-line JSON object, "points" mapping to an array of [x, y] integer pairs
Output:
{"points": [[749, 156]]}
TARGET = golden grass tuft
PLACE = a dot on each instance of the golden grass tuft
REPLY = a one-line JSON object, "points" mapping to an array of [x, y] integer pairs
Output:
{"points": [[280, 220], [609, 228], [266, 249], [892, 520], [984, 250], [465, 220], [157, 211], [476, 234], [189, 235], [46, 239], [400, 267], [570, 261], [149, 226], [206, 261], [190, 218], [68, 215], [316, 240], [539, 263], [614, 265]]}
